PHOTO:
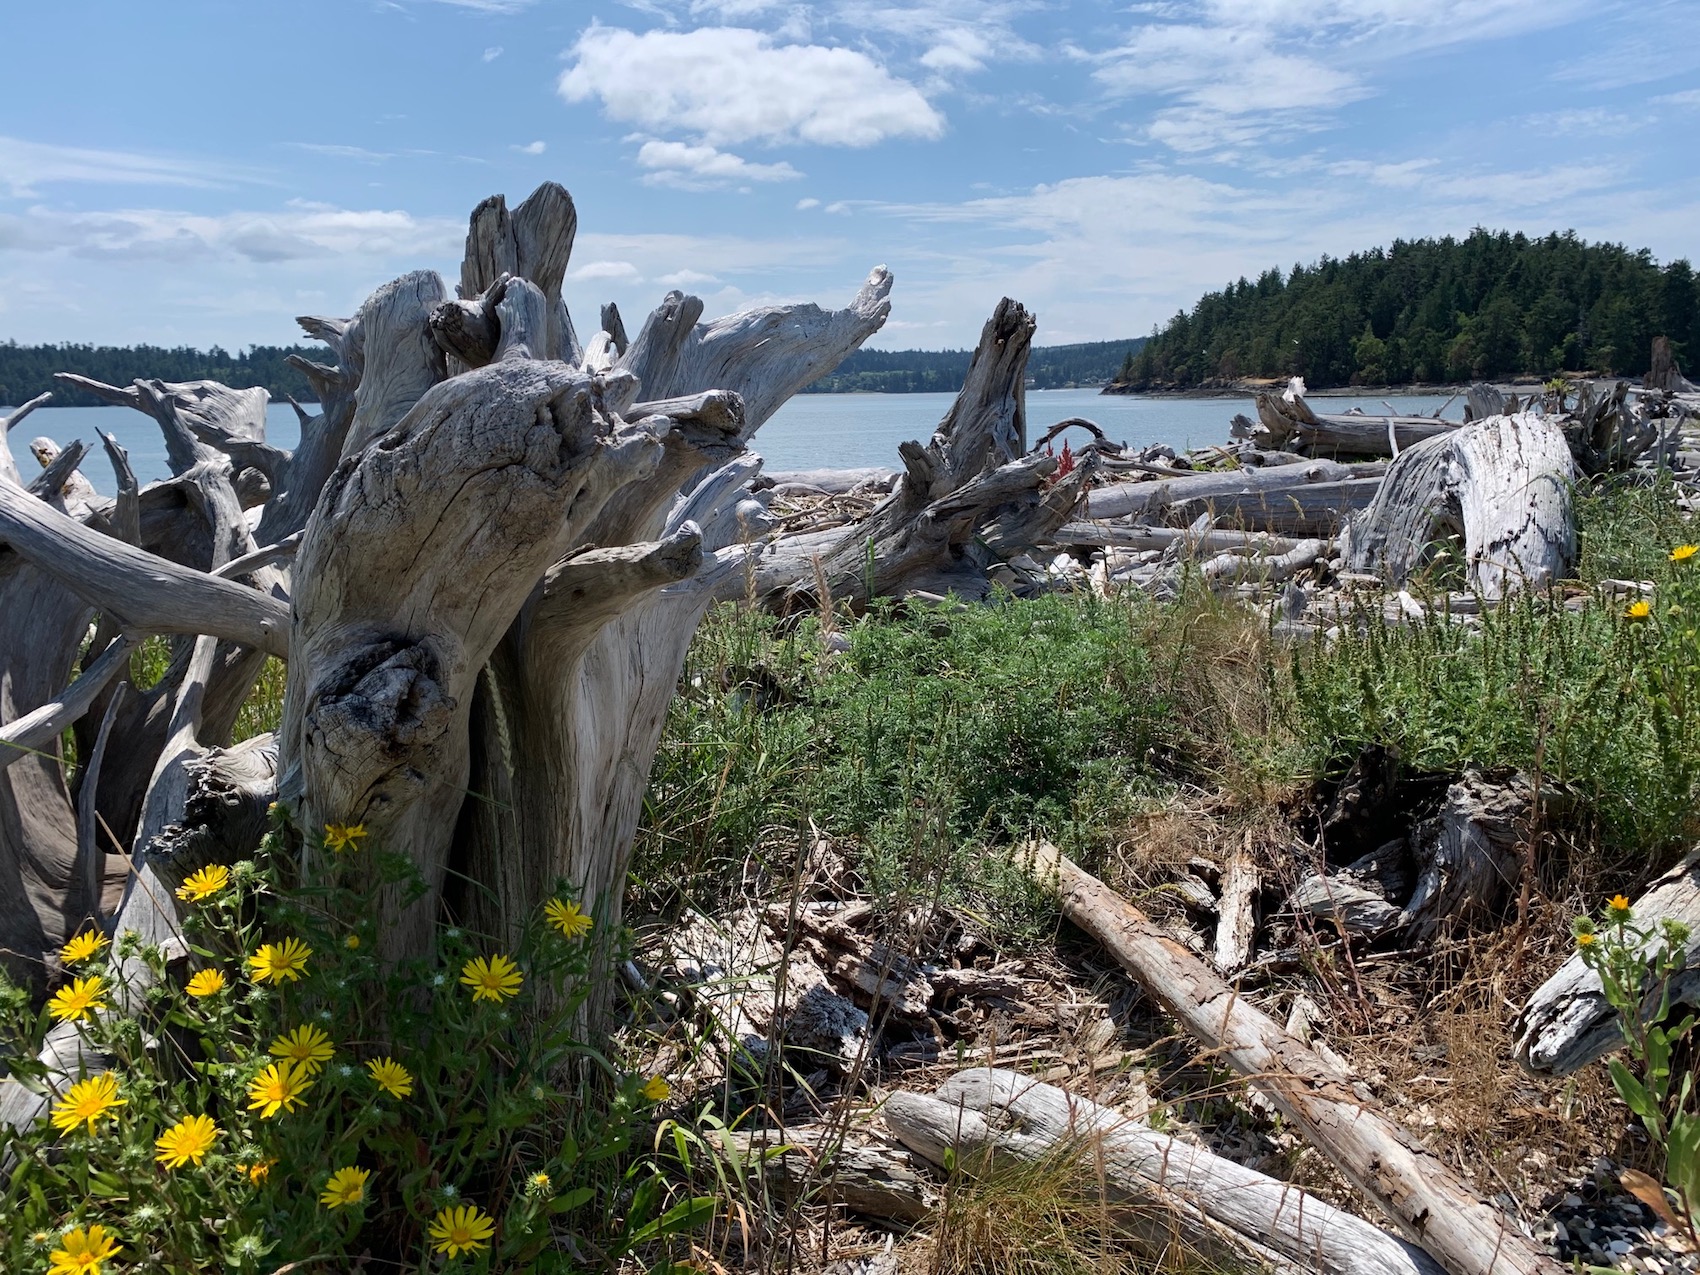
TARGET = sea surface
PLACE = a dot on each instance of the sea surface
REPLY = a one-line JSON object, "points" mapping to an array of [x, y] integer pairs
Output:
{"points": [[812, 431]]}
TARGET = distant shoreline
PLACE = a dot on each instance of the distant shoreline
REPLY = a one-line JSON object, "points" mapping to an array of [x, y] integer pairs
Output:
{"points": [[1249, 389]]}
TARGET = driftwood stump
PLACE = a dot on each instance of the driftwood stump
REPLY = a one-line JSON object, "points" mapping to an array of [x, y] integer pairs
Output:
{"points": [[483, 565]]}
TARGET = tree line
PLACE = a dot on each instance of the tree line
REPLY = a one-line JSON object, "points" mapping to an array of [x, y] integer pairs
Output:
{"points": [[1049, 367], [1490, 305], [27, 370]]}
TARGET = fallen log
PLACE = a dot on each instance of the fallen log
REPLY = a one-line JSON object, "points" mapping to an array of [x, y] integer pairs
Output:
{"points": [[1272, 483], [1500, 486], [1221, 1208], [1567, 1022], [816, 1164], [1294, 424], [1411, 1184]]}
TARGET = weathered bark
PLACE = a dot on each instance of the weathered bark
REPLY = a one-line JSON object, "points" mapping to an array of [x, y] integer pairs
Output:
{"points": [[1220, 1208], [1313, 497], [815, 1164], [1412, 1186], [1501, 486], [1568, 1023]]}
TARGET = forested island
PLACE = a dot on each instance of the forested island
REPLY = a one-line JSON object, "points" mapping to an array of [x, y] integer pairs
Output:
{"points": [[1488, 306], [27, 370]]}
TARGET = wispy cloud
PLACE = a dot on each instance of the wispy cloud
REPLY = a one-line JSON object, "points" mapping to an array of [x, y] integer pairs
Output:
{"points": [[26, 167], [531, 148], [687, 167]]}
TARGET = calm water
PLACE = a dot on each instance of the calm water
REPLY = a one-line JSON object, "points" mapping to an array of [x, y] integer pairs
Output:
{"points": [[812, 431]]}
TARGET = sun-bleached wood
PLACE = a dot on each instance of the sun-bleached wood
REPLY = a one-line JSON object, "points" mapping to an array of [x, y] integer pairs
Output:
{"points": [[1502, 486], [1567, 1022], [1413, 1186], [1221, 1208]]}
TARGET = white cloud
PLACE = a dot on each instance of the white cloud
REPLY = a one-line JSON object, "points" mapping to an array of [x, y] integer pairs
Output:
{"points": [[803, 205], [26, 166], [686, 279], [1686, 98], [605, 270], [492, 53], [687, 167], [725, 85], [532, 148], [298, 232]]}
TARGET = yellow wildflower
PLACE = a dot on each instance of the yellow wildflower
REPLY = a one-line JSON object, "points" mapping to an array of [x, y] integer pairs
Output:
{"points": [[352, 942], [461, 1230], [343, 836], [539, 1183], [1617, 908], [258, 1171], [187, 1141], [206, 983], [306, 1047], [280, 962], [568, 918], [347, 1186], [494, 979], [1640, 609], [79, 1000], [1586, 940], [656, 1089], [83, 1251], [1682, 553], [205, 883], [87, 1100], [82, 947], [278, 1088], [391, 1076]]}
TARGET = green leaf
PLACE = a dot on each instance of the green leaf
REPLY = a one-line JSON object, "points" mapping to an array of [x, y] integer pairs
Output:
{"points": [[1633, 1093], [686, 1215], [577, 1198]]}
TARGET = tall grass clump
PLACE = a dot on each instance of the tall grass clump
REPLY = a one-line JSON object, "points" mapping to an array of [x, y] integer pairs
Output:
{"points": [[933, 734]]}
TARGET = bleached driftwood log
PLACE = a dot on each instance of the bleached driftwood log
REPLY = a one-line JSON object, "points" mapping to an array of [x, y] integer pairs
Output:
{"points": [[492, 593], [1306, 500], [1567, 1023], [1500, 486], [969, 499], [818, 1164], [1292, 424], [1220, 1208], [1414, 1187]]}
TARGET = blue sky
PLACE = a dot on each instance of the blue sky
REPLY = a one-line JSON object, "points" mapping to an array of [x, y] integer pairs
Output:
{"points": [[197, 172]]}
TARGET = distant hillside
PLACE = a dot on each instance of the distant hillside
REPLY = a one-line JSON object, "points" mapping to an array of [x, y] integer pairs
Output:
{"points": [[27, 370], [1489, 305], [941, 371]]}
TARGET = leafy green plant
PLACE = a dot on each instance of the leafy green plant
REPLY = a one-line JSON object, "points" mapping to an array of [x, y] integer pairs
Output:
{"points": [[1636, 963], [293, 1097]]}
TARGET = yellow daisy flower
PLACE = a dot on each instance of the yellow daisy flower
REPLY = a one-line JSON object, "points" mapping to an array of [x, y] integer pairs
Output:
{"points": [[656, 1089], [186, 1142], [1639, 610], [205, 883], [1586, 940], [539, 1183], [87, 1101], [280, 962], [352, 942], [278, 1088], [391, 1076], [206, 983], [343, 836], [570, 919], [1617, 907], [461, 1230], [306, 1047], [1682, 553], [82, 947], [347, 1186], [79, 1000], [494, 979], [83, 1251]]}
